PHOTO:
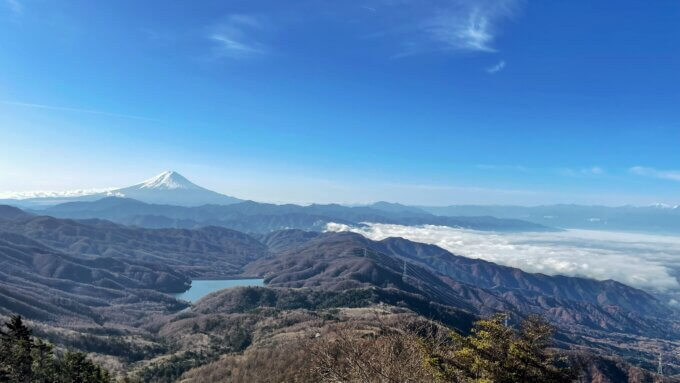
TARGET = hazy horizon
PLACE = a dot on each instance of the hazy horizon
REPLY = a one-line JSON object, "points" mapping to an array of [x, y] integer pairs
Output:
{"points": [[86, 191]]}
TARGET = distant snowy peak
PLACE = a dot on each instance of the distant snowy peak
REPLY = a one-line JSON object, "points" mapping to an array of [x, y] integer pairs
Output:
{"points": [[171, 188], [169, 180], [664, 206], [167, 188]]}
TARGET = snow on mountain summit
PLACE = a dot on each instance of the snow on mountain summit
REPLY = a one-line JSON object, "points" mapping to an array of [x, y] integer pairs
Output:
{"points": [[167, 188], [168, 180], [171, 188]]}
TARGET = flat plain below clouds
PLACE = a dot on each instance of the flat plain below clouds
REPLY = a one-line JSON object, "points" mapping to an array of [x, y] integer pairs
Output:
{"points": [[650, 262]]}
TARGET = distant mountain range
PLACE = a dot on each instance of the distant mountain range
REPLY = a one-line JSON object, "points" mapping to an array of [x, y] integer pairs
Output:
{"points": [[254, 217], [168, 187], [171, 190], [658, 218]]}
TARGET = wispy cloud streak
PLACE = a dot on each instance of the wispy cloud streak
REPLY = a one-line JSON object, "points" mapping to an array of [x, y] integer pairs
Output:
{"points": [[235, 37], [76, 110], [457, 26], [583, 172], [417, 26], [15, 7], [673, 175], [496, 68], [462, 30], [517, 168]]}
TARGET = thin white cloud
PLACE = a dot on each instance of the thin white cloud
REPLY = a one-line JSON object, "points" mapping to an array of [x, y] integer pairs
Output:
{"points": [[76, 110], [15, 7], [469, 31], [54, 194], [234, 47], [640, 260], [418, 26], [594, 170], [157, 37], [463, 25], [583, 172], [673, 175], [235, 37], [496, 68], [517, 168]]}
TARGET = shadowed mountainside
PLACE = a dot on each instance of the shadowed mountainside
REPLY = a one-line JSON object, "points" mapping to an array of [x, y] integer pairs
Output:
{"points": [[338, 261], [207, 252], [41, 283], [504, 279]]}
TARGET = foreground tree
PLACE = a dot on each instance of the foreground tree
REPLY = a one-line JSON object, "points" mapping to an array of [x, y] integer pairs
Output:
{"points": [[24, 358], [492, 353], [388, 356], [496, 353]]}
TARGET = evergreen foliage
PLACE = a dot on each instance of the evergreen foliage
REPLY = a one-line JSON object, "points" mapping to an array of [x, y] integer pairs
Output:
{"points": [[25, 359], [496, 353]]}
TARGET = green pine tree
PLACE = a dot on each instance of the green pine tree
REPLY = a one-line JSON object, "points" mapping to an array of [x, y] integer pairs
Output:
{"points": [[495, 353], [25, 359]]}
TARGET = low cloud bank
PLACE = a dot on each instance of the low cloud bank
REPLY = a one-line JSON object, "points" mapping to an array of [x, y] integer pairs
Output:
{"points": [[650, 262], [57, 194]]}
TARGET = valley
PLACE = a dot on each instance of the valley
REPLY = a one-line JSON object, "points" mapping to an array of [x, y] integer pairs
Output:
{"points": [[97, 286]]}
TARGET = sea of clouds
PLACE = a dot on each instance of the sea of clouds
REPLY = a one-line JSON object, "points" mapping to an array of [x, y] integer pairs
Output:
{"points": [[650, 262]]}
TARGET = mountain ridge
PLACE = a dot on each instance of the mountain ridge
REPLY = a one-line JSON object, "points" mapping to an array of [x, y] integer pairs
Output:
{"points": [[255, 217], [338, 261]]}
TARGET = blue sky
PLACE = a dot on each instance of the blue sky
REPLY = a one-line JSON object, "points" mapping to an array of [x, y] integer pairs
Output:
{"points": [[429, 102]]}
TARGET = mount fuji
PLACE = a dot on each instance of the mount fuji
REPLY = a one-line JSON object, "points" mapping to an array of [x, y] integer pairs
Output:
{"points": [[171, 188], [167, 188]]}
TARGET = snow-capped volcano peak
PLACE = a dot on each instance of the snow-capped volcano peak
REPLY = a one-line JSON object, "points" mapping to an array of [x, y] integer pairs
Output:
{"points": [[167, 188], [171, 188], [168, 180]]}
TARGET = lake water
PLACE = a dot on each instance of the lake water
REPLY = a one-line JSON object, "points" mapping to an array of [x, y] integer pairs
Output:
{"points": [[201, 288]]}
